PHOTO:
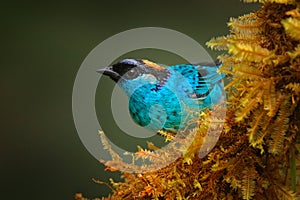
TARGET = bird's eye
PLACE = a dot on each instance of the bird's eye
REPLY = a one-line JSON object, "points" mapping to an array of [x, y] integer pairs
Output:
{"points": [[131, 74]]}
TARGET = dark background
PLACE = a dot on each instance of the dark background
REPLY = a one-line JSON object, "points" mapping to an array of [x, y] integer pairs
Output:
{"points": [[42, 47]]}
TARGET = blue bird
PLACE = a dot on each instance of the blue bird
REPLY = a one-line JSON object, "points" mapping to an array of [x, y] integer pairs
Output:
{"points": [[167, 98]]}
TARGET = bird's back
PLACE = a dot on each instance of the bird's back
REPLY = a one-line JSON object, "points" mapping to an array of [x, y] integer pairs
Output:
{"points": [[189, 87], [203, 78]]}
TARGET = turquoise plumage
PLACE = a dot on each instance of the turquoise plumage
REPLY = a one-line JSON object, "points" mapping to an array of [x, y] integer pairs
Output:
{"points": [[167, 97]]}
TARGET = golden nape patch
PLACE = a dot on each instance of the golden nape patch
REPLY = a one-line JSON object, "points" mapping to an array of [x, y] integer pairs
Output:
{"points": [[153, 65]]}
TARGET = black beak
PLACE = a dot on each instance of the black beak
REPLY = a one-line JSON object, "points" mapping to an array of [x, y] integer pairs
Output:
{"points": [[108, 71]]}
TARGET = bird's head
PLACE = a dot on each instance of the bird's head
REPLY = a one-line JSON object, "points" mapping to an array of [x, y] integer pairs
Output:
{"points": [[133, 73]]}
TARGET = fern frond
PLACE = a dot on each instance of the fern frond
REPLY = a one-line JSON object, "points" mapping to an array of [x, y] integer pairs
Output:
{"points": [[294, 87], [243, 38], [250, 92], [115, 156], [245, 71], [246, 25], [292, 27], [248, 52], [147, 154], [168, 136], [257, 117], [284, 193], [248, 183], [219, 43], [280, 127], [258, 140], [244, 112]]}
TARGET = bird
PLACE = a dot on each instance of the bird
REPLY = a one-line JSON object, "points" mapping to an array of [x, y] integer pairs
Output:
{"points": [[167, 97]]}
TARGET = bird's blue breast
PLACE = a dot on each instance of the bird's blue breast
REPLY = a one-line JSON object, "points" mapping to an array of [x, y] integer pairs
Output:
{"points": [[169, 106], [155, 109]]}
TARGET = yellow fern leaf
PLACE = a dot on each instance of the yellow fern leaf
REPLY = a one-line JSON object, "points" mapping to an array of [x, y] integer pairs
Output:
{"points": [[245, 71], [280, 127], [248, 52], [294, 87], [168, 136], [147, 154], [219, 43], [248, 184], [247, 25], [257, 117], [251, 90], [243, 112], [292, 27], [115, 156], [243, 38]]}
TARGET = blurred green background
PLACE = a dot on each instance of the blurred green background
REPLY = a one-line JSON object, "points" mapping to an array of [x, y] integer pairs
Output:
{"points": [[43, 45]]}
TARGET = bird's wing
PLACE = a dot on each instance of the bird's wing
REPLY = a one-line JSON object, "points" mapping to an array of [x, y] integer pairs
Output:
{"points": [[202, 77], [208, 78]]}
